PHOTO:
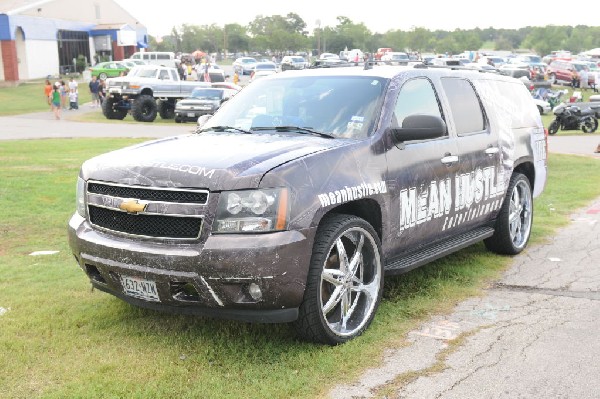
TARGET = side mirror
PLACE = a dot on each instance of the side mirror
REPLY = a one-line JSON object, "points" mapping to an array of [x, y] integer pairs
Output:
{"points": [[419, 127]]}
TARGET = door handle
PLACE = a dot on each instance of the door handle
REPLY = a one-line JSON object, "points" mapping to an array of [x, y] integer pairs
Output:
{"points": [[449, 159], [491, 150]]}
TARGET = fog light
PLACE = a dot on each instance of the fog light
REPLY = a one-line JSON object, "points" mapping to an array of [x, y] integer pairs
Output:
{"points": [[254, 291]]}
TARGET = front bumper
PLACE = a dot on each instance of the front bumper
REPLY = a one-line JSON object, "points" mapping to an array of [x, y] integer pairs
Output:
{"points": [[211, 278], [192, 114]]}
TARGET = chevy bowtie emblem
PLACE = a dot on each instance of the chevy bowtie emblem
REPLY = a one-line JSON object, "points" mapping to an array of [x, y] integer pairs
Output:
{"points": [[132, 206]]}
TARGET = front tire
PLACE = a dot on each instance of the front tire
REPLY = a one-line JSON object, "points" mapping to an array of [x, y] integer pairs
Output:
{"points": [[553, 128], [345, 281], [109, 110], [144, 109], [513, 226]]}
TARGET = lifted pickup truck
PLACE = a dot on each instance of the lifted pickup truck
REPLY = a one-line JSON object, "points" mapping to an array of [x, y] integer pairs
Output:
{"points": [[146, 91]]}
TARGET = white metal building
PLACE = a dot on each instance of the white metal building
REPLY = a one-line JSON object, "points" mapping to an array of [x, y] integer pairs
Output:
{"points": [[45, 37]]}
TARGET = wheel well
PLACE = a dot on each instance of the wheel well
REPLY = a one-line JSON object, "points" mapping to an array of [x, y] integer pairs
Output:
{"points": [[366, 209], [146, 92], [528, 170]]}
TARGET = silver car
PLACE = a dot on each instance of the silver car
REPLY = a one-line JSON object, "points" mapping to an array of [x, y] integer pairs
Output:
{"points": [[293, 62]]}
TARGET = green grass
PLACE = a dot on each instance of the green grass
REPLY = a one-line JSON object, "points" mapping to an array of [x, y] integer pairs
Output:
{"points": [[59, 339], [29, 97]]}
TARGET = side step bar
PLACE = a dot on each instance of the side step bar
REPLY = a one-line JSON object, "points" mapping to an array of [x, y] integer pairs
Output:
{"points": [[429, 253]]}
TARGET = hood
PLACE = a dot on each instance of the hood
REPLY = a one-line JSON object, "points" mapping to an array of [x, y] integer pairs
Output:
{"points": [[214, 161]]}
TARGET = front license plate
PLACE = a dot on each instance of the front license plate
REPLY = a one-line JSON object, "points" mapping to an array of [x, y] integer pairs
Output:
{"points": [[191, 114], [140, 288]]}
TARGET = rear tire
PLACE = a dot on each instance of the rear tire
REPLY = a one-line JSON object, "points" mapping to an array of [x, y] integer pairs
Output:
{"points": [[344, 283], [144, 109], [166, 110], [513, 226], [589, 125]]}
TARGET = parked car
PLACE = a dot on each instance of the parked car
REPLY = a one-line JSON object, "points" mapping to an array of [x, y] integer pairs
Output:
{"points": [[494, 61], [381, 52], [262, 69], [244, 65], [560, 71], [135, 61], [542, 106], [110, 69], [293, 62], [395, 57], [202, 101], [215, 72], [329, 56]]}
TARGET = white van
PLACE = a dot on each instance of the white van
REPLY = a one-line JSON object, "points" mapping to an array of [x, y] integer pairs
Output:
{"points": [[164, 58]]}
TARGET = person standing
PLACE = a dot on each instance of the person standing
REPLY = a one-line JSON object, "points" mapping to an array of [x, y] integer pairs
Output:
{"points": [[73, 100], [56, 100], [63, 94], [48, 93], [584, 79], [73, 89], [206, 73], [95, 90]]}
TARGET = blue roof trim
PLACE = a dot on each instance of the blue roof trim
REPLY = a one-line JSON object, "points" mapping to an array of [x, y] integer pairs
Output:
{"points": [[4, 27], [36, 28]]}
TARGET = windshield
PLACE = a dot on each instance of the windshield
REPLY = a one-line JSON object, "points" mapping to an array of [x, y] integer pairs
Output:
{"points": [[147, 73], [208, 94], [342, 106]]}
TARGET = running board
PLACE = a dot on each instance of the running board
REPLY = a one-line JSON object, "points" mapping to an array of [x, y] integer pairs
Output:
{"points": [[429, 253]]}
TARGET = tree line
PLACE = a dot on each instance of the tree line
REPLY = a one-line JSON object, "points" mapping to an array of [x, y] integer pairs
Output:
{"points": [[282, 34]]}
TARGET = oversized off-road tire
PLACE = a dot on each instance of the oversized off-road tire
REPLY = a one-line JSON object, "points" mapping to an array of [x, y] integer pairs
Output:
{"points": [[513, 226], [553, 128], [166, 110], [144, 109], [344, 283], [110, 112], [589, 125]]}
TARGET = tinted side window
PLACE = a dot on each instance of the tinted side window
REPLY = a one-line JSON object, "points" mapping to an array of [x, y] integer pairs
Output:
{"points": [[417, 96], [465, 106], [163, 57]]}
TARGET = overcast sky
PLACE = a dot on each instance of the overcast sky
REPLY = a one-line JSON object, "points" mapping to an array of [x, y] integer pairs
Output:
{"points": [[379, 16]]}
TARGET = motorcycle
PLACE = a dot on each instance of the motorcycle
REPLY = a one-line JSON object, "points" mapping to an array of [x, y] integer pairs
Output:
{"points": [[572, 117]]}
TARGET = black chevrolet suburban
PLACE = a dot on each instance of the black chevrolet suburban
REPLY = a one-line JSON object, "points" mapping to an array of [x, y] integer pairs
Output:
{"points": [[303, 191]]}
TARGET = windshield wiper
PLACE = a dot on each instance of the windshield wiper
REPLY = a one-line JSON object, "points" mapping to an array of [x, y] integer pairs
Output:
{"points": [[224, 129], [297, 129]]}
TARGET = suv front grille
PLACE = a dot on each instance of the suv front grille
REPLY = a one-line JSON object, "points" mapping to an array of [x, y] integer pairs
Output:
{"points": [[146, 225], [162, 213], [194, 197]]}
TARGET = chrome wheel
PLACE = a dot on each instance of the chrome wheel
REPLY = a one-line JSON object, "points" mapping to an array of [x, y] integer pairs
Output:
{"points": [[513, 224], [344, 282], [520, 214], [350, 282]]}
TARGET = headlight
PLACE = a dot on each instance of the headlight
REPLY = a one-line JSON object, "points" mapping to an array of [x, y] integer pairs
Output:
{"points": [[252, 211], [81, 197]]}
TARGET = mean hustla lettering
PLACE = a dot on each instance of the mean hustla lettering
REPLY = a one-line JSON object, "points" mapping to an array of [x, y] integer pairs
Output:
{"points": [[475, 193]]}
